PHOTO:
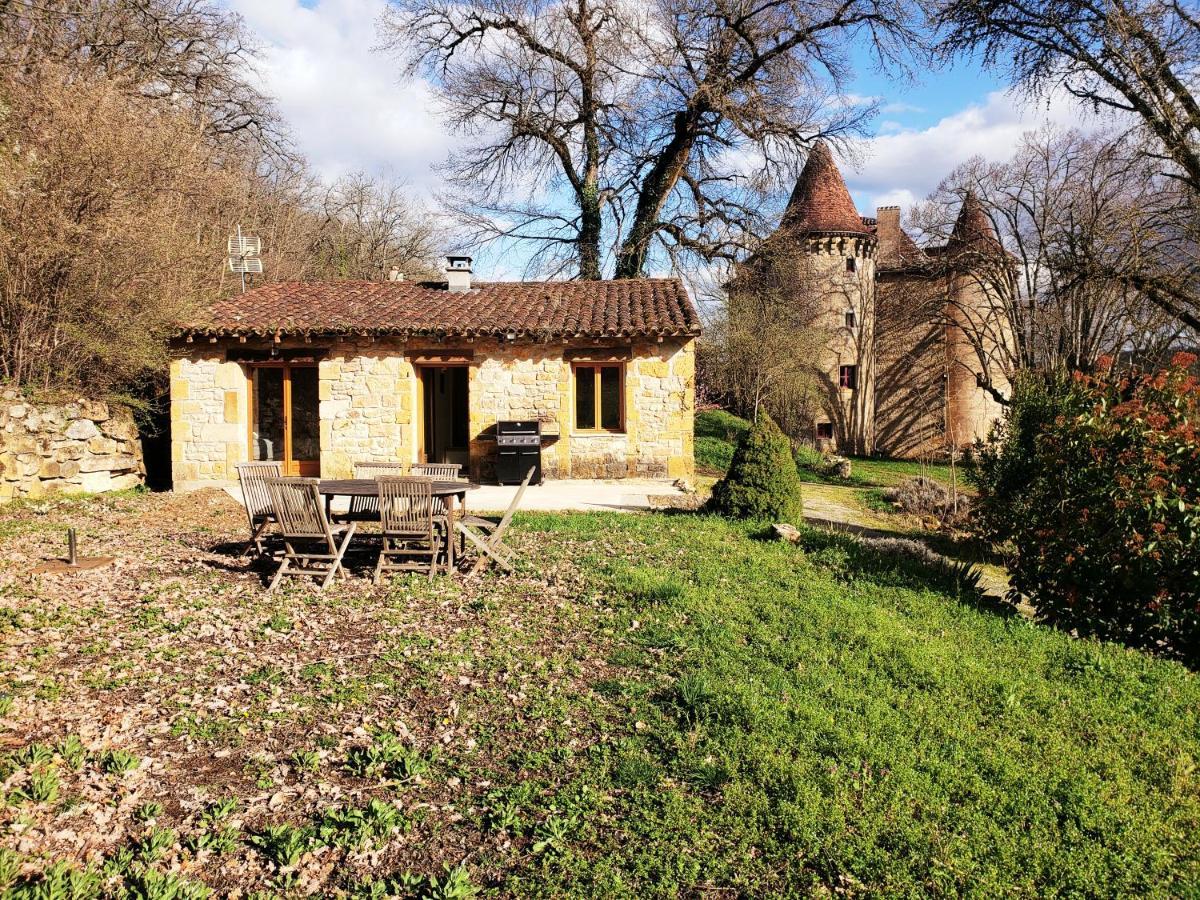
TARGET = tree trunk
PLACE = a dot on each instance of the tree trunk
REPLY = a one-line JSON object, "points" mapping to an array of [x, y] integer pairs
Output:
{"points": [[653, 193]]}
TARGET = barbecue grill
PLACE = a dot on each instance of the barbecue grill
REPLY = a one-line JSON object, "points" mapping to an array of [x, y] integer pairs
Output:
{"points": [[518, 446]]}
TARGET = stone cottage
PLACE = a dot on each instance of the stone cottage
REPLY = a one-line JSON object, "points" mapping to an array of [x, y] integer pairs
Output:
{"points": [[323, 375]]}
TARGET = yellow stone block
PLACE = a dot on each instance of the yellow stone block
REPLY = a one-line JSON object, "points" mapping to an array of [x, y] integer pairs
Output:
{"points": [[230, 377], [685, 364], [325, 389], [231, 406], [181, 388], [653, 369]]}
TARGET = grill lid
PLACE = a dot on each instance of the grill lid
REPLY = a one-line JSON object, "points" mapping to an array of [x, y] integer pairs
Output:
{"points": [[526, 426]]}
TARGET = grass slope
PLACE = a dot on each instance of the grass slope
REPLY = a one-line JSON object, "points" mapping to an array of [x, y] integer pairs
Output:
{"points": [[652, 706], [717, 434], [829, 721]]}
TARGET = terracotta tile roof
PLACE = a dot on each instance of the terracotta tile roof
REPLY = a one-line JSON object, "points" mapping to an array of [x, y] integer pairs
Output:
{"points": [[820, 203], [550, 309], [973, 230]]}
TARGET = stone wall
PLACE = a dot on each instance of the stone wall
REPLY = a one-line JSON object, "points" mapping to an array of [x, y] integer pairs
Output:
{"points": [[209, 412], [79, 447], [911, 381], [369, 396], [367, 400]]}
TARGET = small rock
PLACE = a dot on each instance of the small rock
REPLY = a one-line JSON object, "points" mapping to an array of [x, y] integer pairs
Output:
{"points": [[785, 532], [839, 467], [82, 430]]}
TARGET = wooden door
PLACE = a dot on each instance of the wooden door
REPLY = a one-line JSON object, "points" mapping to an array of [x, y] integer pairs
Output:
{"points": [[285, 421]]}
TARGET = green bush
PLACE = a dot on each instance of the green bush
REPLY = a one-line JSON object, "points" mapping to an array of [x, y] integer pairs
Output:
{"points": [[762, 482], [1095, 481]]}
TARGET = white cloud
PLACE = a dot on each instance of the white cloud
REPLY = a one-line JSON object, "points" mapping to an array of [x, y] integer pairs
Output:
{"points": [[348, 106], [898, 108], [900, 165]]}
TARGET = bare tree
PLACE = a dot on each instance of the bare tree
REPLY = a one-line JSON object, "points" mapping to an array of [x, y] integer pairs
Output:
{"points": [[732, 78], [100, 255], [540, 89], [366, 225], [1069, 211], [765, 334], [623, 128], [191, 56], [1134, 58]]}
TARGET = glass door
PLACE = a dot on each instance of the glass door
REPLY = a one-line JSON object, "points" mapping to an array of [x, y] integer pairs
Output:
{"points": [[285, 422]]}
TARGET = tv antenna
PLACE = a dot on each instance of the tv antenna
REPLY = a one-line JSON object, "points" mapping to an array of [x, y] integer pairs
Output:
{"points": [[244, 255]]}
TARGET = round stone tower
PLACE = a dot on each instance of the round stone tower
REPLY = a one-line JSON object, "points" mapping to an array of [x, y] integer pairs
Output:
{"points": [[977, 329], [835, 251]]}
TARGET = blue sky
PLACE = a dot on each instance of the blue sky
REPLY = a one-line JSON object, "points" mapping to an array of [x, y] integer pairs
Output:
{"points": [[350, 110]]}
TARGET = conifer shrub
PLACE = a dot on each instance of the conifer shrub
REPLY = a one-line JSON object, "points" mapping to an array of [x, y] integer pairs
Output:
{"points": [[762, 481], [1094, 481]]}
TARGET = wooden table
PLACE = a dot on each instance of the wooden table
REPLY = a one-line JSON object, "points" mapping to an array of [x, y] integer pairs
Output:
{"points": [[451, 493]]}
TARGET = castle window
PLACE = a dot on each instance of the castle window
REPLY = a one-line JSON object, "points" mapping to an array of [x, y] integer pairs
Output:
{"points": [[851, 264], [851, 319], [825, 431], [848, 377]]}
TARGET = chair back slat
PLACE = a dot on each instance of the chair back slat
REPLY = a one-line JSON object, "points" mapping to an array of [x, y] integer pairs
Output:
{"points": [[298, 508], [252, 476], [438, 471], [375, 469], [406, 505], [363, 506]]}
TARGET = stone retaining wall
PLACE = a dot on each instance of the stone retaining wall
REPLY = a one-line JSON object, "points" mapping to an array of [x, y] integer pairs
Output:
{"points": [[84, 446]]}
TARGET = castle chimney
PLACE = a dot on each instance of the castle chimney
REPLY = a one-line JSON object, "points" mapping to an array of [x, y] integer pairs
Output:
{"points": [[887, 218], [394, 274], [458, 274]]}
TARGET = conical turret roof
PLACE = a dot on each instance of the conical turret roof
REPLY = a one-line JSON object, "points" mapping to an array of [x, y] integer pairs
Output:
{"points": [[820, 202], [973, 231]]}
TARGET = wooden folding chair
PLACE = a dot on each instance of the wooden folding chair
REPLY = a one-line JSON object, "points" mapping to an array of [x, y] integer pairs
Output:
{"points": [[260, 512], [488, 535], [411, 539], [438, 471], [301, 519], [366, 509]]}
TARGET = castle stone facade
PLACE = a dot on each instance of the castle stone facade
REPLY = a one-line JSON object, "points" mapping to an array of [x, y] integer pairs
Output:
{"points": [[912, 337]]}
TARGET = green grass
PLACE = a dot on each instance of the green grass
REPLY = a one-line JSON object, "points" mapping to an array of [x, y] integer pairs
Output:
{"points": [[790, 722], [657, 705], [717, 434]]}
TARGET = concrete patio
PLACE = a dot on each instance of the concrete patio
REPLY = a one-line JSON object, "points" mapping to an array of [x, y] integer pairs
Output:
{"points": [[624, 495]]}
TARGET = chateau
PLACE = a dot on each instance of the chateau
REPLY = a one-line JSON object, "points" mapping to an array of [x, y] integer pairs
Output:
{"points": [[909, 336]]}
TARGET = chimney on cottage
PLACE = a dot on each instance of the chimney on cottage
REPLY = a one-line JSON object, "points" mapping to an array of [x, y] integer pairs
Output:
{"points": [[394, 274], [458, 274]]}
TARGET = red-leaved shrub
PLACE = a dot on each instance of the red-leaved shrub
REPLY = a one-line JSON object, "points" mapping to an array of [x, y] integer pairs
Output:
{"points": [[1095, 481]]}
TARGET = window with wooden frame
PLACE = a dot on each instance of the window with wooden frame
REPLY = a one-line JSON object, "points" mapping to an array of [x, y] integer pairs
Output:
{"points": [[848, 377], [599, 397]]}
